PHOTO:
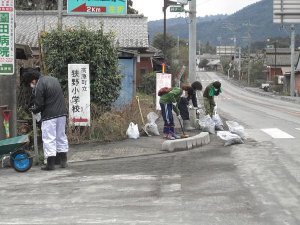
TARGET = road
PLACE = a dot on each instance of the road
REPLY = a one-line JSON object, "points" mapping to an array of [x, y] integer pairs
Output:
{"points": [[201, 186], [256, 183], [273, 164]]}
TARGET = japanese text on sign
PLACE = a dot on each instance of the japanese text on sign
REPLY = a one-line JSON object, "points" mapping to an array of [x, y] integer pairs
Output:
{"points": [[162, 80], [79, 94], [7, 32], [97, 6]]}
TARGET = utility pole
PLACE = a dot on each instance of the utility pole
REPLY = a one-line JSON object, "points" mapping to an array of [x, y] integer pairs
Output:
{"points": [[249, 53], [178, 48], [192, 40], [199, 56], [275, 46], [292, 81], [167, 3], [165, 26], [240, 66], [234, 54], [60, 11], [249, 61]]}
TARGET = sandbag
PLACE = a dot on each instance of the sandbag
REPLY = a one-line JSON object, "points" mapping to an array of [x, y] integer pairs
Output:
{"points": [[151, 127], [207, 124], [236, 128], [229, 138], [218, 122]]}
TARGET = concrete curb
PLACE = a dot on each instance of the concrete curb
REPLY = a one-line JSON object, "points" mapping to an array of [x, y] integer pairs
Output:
{"points": [[186, 143]]}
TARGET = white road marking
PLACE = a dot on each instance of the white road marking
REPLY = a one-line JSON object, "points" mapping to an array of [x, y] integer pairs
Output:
{"points": [[297, 128], [171, 188], [276, 133]]}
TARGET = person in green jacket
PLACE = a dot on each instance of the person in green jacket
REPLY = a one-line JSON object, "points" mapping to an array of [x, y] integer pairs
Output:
{"points": [[168, 102], [213, 89]]}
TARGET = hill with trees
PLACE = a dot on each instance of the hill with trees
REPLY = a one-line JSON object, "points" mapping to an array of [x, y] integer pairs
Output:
{"points": [[255, 19]]}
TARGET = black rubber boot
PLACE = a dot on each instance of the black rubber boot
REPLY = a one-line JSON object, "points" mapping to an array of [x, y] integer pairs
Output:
{"points": [[63, 159], [50, 164], [57, 159]]}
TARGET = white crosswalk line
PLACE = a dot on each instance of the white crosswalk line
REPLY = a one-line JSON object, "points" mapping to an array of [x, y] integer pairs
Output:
{"points": [[276, 133]]}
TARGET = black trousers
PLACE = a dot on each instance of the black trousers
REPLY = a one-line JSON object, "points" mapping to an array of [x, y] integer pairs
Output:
{"points": [[183, 108]]}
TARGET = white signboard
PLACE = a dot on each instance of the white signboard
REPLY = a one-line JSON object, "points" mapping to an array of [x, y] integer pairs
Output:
{"points": [[182, 2], [286, 11], [162, 80], [7, 37], [225, 50], [79, 94]]}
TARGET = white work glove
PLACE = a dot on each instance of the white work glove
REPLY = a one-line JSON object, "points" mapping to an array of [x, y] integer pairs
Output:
{"points": [[215, 109], [174, 104], [37, 117], [190, 106], [197, 111], [179, 117]]}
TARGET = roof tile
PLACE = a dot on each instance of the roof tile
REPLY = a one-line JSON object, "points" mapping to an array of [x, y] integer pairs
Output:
{"points": [[131, 30]]}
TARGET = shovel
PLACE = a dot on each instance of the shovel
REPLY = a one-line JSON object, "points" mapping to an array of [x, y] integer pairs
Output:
{"points": [[183, 133], [138, 102]]}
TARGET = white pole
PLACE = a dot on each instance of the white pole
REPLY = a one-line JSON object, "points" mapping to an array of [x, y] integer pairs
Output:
{"points": [[292, 81], [35, 145], [240, 66], [192, 41], [60, 9]]}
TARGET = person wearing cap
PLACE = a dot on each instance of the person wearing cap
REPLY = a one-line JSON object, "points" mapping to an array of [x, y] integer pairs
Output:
{"points": [[49, 101], [190, 94], [213, 89], [169, 102]]}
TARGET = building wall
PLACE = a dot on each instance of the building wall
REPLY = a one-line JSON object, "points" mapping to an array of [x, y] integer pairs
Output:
{"points": [[272, 73], [127, 92], [143, 67], [297, 83]]}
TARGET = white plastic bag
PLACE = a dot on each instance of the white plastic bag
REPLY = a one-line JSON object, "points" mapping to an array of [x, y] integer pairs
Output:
{"points": [[133, 131], [236, 128], [200, 112], [151, 127], [230, 138], [207, 124], [218, 122], [152, 117]]}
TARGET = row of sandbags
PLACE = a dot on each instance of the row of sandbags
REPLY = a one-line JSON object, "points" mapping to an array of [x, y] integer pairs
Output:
{"points": [[214, 124]]}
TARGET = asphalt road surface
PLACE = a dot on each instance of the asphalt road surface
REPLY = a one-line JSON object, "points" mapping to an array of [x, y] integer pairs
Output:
{"points": [[274, 161], [201, 186], [256, 183]]}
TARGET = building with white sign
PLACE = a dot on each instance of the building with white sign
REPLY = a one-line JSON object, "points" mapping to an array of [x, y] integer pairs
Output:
{"points": [[130, 31]]}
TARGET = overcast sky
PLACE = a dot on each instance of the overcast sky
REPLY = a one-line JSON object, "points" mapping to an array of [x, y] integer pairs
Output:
{"points": [[153, 8]]}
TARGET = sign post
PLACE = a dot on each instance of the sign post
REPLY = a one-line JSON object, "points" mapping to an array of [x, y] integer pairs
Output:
{"points": [[7, 63], [79, 94], [7, 37]]}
